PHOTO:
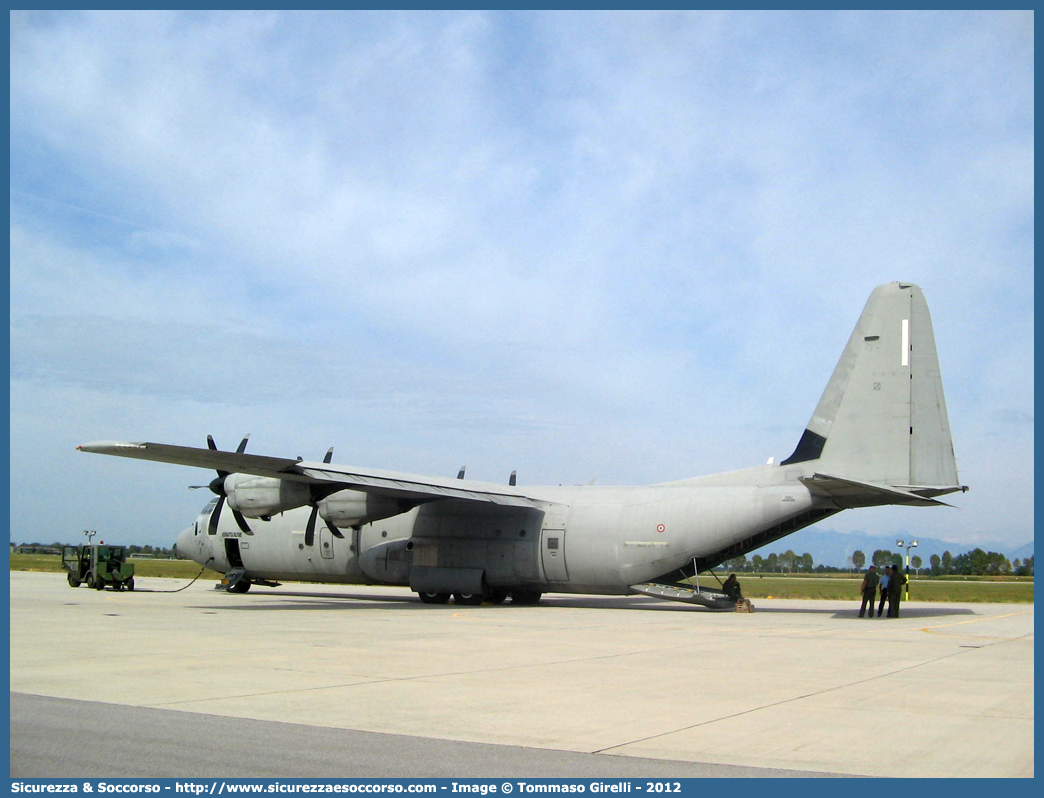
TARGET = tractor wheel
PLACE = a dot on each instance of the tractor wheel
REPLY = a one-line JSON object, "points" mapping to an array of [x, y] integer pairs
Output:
{"points": [[90, 579], [129, 583], [73, 581]]}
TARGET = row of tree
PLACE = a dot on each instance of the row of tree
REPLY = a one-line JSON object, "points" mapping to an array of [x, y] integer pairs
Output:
{"points": [[787, 562], [56, 548], [973, 563]]}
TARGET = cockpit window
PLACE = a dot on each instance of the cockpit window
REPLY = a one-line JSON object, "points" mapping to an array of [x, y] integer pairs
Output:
{"points": [[207, 512]]}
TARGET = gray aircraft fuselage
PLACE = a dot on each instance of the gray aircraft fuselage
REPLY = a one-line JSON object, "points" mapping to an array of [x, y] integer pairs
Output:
{"points": [[587, 540]]}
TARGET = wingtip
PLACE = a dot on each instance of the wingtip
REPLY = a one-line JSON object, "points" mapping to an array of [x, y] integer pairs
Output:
{"points": [[105, 447]]}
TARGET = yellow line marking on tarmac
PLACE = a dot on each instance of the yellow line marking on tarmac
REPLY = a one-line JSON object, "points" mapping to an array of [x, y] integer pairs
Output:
{"points": [[930, 629]]}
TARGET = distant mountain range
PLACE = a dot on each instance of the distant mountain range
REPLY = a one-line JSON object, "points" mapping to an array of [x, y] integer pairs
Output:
{"points": [[835, 548]]}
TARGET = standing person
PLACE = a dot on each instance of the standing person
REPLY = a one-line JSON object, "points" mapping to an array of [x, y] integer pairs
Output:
{"points": [[895, 592], [885, 579], [869, 591]]}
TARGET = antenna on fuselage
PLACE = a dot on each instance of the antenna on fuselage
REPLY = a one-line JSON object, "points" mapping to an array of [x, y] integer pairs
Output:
{"points": [[460, 474], [513, 478]]}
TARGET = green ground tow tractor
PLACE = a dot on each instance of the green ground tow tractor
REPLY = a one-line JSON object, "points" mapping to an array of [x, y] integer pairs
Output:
{"points": [[98, 566]]}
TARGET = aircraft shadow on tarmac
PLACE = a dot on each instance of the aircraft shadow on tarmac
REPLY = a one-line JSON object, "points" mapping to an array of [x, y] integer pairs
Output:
{"points": [[919, 612], [342, 602]]}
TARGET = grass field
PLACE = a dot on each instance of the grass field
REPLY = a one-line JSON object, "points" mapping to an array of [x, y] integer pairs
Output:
{"points": [[921, 588], [837, 587], [175, 569]]}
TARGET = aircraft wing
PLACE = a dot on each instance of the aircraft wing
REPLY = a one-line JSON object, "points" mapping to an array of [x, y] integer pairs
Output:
{"points": [[382, 483]]}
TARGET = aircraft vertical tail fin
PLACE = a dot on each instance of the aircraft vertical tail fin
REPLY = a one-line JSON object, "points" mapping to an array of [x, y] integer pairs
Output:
{"points": [[882, 418]]}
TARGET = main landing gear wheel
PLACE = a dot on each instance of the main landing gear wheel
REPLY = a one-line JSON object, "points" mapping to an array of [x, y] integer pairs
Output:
{"points": [[468, 599], [497, 596], [525, 597], [242, 586], [434, 598]]}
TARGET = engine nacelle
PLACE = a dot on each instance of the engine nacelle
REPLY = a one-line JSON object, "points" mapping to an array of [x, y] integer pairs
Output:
{"points": [[261, 497], [355, 507]]}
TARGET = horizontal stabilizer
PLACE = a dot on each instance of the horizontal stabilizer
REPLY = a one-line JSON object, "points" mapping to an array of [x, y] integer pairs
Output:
{"points": [[848, 493]]}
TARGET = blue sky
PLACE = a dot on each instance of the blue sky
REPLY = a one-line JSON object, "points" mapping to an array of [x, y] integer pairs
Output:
{"points": [[627, 247]]}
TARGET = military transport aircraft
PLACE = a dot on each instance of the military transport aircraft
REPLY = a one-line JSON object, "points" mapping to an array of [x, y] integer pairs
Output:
{"points": [[879, 435]]}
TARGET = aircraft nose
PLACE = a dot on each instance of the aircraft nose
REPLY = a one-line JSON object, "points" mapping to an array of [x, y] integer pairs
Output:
{"points": [[182, 546]]}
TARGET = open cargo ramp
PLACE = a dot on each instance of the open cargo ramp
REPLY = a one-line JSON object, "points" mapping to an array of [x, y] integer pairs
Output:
{"points": [[711, 599]]}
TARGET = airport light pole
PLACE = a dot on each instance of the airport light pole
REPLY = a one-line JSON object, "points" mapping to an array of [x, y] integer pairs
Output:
{"points": [[903, 545], [90, 533]]}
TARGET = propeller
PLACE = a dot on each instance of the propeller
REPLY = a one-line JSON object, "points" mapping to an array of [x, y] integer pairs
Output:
{"points": [[310, 529], [217, 486]]}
